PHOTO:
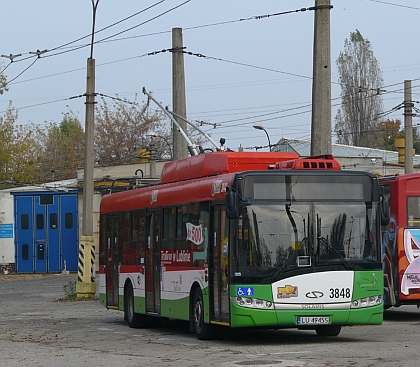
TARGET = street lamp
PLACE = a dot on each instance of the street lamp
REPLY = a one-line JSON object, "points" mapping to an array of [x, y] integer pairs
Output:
{"points": [[260, 127], [154, 135]]}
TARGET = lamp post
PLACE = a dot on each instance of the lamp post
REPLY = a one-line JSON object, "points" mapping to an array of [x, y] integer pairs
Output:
{"points": [[154, 135], [260, 127]]}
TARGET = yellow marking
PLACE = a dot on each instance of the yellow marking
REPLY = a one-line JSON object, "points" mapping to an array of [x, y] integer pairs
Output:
{"points": [[219, 323]]}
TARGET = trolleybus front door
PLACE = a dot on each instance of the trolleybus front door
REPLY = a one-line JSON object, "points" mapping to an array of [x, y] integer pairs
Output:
{"points": [[219, 265], [112, 263], [153, 275]]}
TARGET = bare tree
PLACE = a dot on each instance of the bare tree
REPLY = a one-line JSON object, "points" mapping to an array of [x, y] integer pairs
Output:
{"points": [[360, 77], [124, 128]]}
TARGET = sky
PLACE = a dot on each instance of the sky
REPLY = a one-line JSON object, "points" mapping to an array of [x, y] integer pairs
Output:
{"points": [[254, 70]]}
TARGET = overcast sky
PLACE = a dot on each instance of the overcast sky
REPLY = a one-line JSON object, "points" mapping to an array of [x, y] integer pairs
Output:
{"points": [[254, 70]]}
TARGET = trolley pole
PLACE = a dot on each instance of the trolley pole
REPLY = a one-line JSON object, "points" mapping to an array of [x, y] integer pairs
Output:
{"points": [[408, 128], [321, 83], [86, 286], [180, 149]]}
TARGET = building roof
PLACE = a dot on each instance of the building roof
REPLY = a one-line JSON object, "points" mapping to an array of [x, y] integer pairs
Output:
{"points": [[303, 148], [63, 185]]}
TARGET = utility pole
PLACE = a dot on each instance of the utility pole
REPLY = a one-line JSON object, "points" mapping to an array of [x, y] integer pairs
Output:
{"points": [[180, 149], [86, 286], [408, 127], [321, 83]]}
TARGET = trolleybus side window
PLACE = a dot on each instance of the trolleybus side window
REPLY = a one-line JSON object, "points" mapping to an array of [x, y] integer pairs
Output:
{"points": [[103, 239], [134, 247], [197, 232], [123, 239], [169, 228], [413, 211]]}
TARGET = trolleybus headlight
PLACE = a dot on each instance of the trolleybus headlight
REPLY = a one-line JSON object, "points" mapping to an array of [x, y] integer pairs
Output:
{"points": [[367, 302], [259, 303], [252, 303], [240, 301]]}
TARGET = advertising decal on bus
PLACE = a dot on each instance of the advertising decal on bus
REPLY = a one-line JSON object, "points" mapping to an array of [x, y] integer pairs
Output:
{"points": [[411, 276]]}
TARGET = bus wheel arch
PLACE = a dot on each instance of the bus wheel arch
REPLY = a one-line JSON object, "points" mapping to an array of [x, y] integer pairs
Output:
{"points": [[203, 330], [135, 320]]}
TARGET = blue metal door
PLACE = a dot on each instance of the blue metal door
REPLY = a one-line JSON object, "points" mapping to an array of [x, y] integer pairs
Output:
{"points": [[69, 231], [46, 232], [40, 235], [53, 235], [24, 246]]}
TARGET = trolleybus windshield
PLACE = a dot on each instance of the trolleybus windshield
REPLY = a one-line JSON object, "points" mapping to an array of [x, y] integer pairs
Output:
{"points": [[299, 232]]}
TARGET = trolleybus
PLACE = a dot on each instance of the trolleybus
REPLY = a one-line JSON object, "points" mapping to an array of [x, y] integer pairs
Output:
{"points": [[243, 239], [401, 240]]}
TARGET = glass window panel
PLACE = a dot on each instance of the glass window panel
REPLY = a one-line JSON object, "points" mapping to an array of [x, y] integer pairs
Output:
{"points": [[413, 211], [24, 221], [69, 220], [53, 220], [25, 252]]}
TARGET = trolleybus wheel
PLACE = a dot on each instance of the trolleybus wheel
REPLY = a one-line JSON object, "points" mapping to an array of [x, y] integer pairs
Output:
{"points": [[328, 330], [204, 331], [135, 320]]}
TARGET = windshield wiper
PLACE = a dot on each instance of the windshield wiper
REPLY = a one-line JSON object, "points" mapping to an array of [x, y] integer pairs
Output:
{"points": [[279, 272], [323, 241]]}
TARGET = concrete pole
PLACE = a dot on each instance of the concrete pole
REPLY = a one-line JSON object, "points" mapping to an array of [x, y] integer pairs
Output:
{"points": [[86, 286], [321, 83], [180, 149], [87, 224], [408, 127]]}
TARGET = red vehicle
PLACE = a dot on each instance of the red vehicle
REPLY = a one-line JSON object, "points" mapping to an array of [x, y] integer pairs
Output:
{"points": [[401, 240]]}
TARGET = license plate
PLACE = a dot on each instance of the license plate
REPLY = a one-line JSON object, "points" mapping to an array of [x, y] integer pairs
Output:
{"points": [[313, 320]]}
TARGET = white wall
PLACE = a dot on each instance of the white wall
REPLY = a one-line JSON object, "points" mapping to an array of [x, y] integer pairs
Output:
{"points": [[7, 246]]}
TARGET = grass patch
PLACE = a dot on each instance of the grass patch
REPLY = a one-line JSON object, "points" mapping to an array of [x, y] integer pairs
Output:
{"points": [[70, 291], [71, 294]]}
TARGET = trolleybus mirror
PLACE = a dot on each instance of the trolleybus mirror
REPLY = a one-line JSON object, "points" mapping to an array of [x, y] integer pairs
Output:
{"points": [[234, 201], [384, 211], [232, 205]]}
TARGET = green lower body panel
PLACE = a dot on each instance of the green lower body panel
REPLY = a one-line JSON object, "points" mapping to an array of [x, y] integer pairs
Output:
{"points": [[246, 317], [177, 309], [367, 316]]}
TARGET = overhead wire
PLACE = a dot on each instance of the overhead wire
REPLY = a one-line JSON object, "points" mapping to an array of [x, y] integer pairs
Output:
{"points": [[190, 53], [98, 41]]}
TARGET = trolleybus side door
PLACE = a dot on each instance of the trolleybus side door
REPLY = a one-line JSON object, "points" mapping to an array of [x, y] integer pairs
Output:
{"points": [[153, 272], [219, 265], [112, 262]]}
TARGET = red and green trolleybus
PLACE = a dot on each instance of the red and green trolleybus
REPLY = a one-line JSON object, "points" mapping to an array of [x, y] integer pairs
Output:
{"points": [[244, 239]]}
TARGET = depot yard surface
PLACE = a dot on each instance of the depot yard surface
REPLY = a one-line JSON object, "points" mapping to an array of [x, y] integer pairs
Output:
{"points": [[38, 328]]}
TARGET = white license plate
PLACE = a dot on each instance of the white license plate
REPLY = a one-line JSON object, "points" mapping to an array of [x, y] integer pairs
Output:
{"points": [[313, 320]]}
